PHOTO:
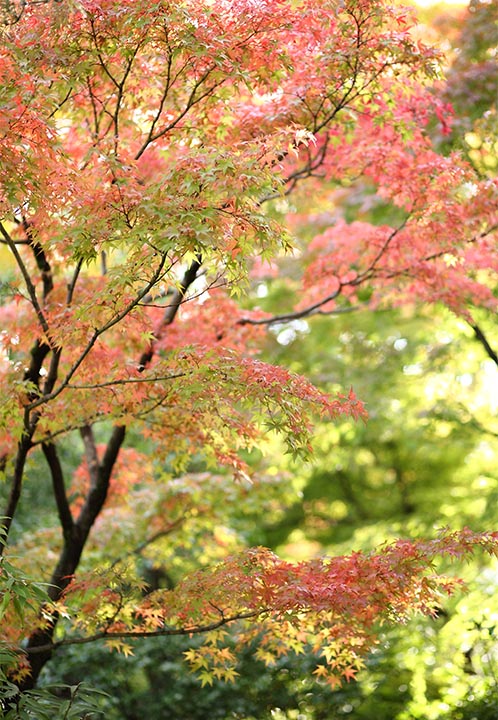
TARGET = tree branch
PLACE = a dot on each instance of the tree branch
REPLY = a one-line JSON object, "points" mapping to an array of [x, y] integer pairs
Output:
{"points": [[40, 258], [148, 541], [92, 459], [100, 475], [63, 509], [72, 285], [163, 632], [481, 337], [288, 317], [191, 101], [97, 333], [23, 449], [27, 280], [171, 310], [39, 646]]}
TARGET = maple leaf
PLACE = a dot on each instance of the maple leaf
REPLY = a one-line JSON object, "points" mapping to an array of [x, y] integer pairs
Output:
{"points": [[142, 145]]}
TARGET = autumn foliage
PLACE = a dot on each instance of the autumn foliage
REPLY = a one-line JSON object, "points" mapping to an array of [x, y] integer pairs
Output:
{"points": [[144, 145]]}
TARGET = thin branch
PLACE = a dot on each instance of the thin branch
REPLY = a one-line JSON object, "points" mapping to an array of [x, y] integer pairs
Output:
{"points": [[342, 310], [16, 242], [27, 279], [72, 285], [288, 317], [464, 419], [100, 417], [163, 632], [52, 372], [191, 101], [155, 119], [119, 97], [368, 272], [128, 381], [446, 250], [481, 337], [99, 55], [148, 541], [218, 282], [61, 103], [314, 309], [96, 334], [50, 437]]}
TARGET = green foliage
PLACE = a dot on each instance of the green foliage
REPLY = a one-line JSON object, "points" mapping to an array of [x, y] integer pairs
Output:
{"points": [[17, 590], [431, 424], [426, 458], [476, 708], [155, 680], [57, 702], [153, 136]]}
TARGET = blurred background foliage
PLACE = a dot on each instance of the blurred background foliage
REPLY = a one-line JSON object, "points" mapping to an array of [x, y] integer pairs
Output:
{"points": [[427, 458]]}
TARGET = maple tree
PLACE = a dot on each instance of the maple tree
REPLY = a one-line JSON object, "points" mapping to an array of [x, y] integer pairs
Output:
{"points": [[149, 152]]}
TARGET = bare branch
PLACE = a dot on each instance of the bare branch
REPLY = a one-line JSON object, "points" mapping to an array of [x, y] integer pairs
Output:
{"points": [[288, 317]]}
